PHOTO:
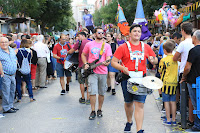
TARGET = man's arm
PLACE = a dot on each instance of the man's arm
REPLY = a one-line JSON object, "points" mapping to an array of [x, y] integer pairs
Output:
{"points": [[116, 65], [1, 70], [186, 71], [84, 59], [153, 60], [56, 57], [177, 56], [71, 51]]}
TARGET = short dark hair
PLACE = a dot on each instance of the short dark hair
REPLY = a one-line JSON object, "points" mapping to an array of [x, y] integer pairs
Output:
{"points": [[98, 28], [169, 45], [82, 33], [28, 37], [133, 26], [177, 35], [187, 27]]}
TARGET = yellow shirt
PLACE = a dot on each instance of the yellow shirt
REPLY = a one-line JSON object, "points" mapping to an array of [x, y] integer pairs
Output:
{"points": [[169, 74]]}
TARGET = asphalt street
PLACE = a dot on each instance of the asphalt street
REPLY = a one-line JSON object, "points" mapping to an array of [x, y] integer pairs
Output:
{"points": [[53, 113]]}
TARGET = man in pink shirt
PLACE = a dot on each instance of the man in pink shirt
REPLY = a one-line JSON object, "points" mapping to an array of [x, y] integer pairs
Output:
{"points": [[80, 46], [97, 81]]}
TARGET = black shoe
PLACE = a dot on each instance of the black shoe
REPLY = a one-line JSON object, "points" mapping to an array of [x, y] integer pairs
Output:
{"points": [[14, 109], [62, 92], [128, 127], [113, 92], [109, 88], [92, 115], [10, 111], [190, 124], [85, 88], [43, 86], [67, 87], [81, 100], [99, 113], [194, 128], [141, 131]]}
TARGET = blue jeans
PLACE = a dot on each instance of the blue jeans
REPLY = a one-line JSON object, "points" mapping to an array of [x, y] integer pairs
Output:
{"points": [[27, 79], [8, 91], [192, 93], [128, 97]]}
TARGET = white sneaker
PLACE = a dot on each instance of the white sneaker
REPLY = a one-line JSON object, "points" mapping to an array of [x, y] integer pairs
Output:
{"points": [[25, 95], [1, 116]]}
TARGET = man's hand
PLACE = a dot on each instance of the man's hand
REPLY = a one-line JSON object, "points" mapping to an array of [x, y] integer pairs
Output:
{"points": [[125, 70], [183, 79], [105, 63], [62, 59], [2, 75], [86, 66]]}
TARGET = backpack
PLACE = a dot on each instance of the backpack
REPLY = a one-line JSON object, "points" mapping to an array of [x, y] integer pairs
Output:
{"points": [[25, 67]]}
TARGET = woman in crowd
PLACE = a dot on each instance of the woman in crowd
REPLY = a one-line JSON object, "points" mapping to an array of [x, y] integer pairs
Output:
{"points": [[120, 41], [24, 52], [111, 70]]}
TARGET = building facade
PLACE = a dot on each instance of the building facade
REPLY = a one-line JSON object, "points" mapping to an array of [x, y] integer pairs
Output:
{"points": [[78, 11]]}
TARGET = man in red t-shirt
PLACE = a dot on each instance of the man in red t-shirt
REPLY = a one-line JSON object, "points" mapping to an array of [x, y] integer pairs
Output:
{"points": [[129, 64], [81, 80], [59, 53]]}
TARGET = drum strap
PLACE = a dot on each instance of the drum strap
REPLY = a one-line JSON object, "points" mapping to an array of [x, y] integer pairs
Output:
{"points": [[136, 57]]}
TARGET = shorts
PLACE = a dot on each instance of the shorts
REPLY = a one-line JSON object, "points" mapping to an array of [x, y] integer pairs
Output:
{"points": [[168, 98], [128, 97], [112, 69], [81, 80], [97, 84], [33, 71], [61, 71]]}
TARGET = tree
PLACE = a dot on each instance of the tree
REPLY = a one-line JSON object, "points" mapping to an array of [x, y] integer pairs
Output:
{"points": [[47, 13]]}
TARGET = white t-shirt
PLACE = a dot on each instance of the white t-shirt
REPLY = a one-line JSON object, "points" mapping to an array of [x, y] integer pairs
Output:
{"points": [[184, 48]]}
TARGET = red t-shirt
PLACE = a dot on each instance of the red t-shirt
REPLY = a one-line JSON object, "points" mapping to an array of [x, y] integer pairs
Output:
{"points": [[61, 51], [122, 53]]}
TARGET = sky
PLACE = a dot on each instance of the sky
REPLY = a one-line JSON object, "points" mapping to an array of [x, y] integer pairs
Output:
{"points": [[79, 1]]}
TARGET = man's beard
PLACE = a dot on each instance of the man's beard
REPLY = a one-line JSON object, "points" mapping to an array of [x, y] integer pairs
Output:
{"points": [[99, 38]]}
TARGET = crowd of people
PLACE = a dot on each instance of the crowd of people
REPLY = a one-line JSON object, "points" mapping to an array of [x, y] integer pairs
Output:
{"points": [[174, 59]]}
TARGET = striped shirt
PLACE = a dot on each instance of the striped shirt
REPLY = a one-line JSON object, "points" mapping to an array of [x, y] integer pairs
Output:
{"points": [[9, 61], [169, 74]]}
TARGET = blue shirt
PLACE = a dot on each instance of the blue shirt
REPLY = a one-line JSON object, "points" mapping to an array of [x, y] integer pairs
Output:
{"points": [[9, 61], [18, 42], [88, 20], [161, 52]]}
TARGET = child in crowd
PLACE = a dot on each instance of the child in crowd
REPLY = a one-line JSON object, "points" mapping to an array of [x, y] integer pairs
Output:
{"points": [[169, 73]]}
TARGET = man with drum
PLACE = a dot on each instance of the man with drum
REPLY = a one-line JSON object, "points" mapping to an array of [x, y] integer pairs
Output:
{"points": [[133, 55], [82, 36], [60, 53]]}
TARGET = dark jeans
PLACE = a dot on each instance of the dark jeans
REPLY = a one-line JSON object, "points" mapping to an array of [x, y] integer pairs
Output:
{"points": [[192, 93], [90, 28], [27, 79]]}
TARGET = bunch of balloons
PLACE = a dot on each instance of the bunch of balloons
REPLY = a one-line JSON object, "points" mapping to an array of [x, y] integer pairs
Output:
{"points": [[170, 16]]}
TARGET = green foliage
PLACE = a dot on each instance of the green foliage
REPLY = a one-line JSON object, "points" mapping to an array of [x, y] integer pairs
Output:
{"points": [[47, 13]]}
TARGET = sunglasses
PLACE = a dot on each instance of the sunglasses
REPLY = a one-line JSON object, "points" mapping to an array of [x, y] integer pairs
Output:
{"points": [[100, 33]]}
